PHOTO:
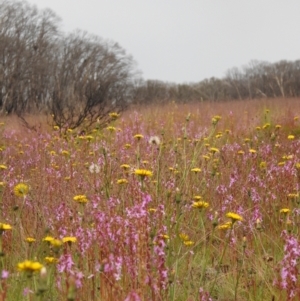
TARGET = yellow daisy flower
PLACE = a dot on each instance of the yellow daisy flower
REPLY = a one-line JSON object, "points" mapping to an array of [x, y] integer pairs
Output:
{"points": [[143, 173], [29, 266], [21, 189], [69, 239], [234, 217], [80, 198]]}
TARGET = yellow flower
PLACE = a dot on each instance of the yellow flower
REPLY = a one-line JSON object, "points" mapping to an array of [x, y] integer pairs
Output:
{"points": [[293, 195], [200, 204], [258, 128], [285, 210], [29, 266], [188, 243], [196, 170], [252, 151], [56, 127], [2, 166], [214, 150], [225, 226], [125, 166], [4, 227], [111, 128], [197, 197], [291, 137], [240, 152], [263, 165], [122, 181], [65, 153], [138, 136], [127, 145], [30, 239], [277, 126], [80, 198], [143, 173], [48, 238], [49, 259], [184, 237], [69, 239], [114, 115], [152, 210], [21, 189], [247, 140], [56, 243], [267, 125], [234, 217]]}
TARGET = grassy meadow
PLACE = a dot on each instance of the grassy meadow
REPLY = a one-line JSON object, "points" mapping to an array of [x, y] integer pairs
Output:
{"points": [[177, 202]]}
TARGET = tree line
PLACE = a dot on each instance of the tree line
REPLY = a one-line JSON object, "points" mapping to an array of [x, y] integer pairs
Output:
{"points": [[80, 77], [256, 80]]}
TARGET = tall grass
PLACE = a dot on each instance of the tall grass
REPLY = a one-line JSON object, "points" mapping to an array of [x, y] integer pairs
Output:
{"points": [[174, 202]]}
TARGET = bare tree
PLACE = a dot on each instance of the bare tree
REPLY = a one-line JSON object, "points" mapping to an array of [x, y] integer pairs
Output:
{"points": [[93, 78]]}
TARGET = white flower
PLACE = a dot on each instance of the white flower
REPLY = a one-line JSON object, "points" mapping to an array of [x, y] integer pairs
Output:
{"points": [[94, 168], [154, 140]]}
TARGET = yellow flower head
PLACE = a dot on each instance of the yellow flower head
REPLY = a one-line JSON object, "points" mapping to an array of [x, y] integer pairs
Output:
{"points": [[138, 136], [80, 198], [291, 137], [56, 243], [263, 165], [29, 266], [225, 226], [285, 210], [127, 145], [69, 239], [111, 128], [65, 153], [196, 170], [48, 238], [51, 259], [188, 243], [125, 166], [214, 150], [184, 236], [30, 239], [252, 151], [143, 173], [200, 204], [114, 115], [234, 217], [2, 166], [122, 181], [4, 227], [21, 189]]}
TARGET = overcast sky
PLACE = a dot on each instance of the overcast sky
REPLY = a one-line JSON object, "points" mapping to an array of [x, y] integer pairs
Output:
{"points": [[189, 40]]}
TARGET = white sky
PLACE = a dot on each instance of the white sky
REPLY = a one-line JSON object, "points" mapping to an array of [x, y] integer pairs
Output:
{"points": [[189, 40]]}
